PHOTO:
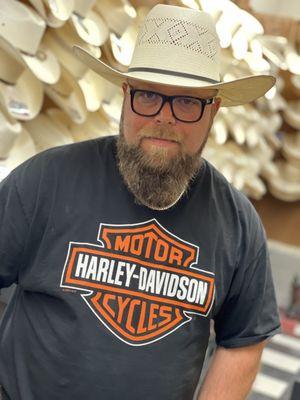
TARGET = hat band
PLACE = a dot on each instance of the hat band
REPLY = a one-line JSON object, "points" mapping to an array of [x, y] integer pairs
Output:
{"points": [[174, 73]]}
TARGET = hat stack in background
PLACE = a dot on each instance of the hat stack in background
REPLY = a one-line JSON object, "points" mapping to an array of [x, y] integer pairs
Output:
{"points": [[49, 98]]}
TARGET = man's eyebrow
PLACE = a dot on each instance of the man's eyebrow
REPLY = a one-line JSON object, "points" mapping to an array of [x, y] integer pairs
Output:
{"points": [[187, 94]]}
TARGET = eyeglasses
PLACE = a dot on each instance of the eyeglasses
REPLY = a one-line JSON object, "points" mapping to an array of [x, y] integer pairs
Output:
{"points": [[184, 108]]}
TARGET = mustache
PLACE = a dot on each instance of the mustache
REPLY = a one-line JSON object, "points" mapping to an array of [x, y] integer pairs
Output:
{"points": [[161, 132]]}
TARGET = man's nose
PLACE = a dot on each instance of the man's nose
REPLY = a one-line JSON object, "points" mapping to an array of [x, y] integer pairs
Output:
{"points": [[165, 115]]}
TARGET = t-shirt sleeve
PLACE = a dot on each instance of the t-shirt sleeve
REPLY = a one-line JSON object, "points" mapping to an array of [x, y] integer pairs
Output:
{"points": [[14, 227], [249, 313]]}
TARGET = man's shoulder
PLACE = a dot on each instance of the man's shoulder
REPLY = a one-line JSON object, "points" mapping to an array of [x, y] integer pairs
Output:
{"points": [[70, 155], [229, 199], [223, 188]]}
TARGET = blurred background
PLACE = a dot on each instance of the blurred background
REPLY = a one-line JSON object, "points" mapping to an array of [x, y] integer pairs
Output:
{"points": [[48, 98]]}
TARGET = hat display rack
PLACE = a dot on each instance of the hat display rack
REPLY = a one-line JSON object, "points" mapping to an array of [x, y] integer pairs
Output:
{"points": [[48, 97]]}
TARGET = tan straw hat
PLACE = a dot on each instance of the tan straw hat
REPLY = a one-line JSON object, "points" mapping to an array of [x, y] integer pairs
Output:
{"points": [[54, 12], [46, 134], [68, 96], [22, 27], [60, 42], [21, 92], [10, 129], [179, 46], [22, 149], [88, 24], [118, 14]]}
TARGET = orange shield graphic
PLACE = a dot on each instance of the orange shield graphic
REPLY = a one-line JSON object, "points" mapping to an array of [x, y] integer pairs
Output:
{"points": [[141, 280]]}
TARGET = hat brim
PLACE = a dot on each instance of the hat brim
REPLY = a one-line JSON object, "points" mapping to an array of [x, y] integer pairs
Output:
{"points": [[232, 93], [46, 68]]}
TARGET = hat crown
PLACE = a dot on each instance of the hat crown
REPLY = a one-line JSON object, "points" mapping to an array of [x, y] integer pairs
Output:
{"points": [[178, 39], [21, 26]]}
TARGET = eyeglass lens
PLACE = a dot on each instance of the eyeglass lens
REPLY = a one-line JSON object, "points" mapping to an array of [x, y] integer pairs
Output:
{"points": [[184, 108]]}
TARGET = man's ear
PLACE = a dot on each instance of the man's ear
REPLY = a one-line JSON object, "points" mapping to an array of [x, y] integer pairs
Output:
{"points": [[216, 106], [124, 87]]}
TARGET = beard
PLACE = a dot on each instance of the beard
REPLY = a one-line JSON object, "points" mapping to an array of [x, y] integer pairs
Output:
{"points": [[155, 178]]}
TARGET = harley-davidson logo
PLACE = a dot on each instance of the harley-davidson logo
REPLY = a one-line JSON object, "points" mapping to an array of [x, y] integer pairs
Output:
{"points": [[140, 281]]}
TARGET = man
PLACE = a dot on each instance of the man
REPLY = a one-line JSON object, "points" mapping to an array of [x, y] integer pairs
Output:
{"points": [[125, 248]]}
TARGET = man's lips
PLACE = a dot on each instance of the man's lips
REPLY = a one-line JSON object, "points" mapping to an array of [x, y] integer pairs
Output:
{"points": [[160, 142]]}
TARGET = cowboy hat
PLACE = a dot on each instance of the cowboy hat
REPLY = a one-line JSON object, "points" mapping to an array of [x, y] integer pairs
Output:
{"points": [[123, 47], [291, 114], [88, 24], [67, 95], [285, 186], [96, 90], [179, 47], [45, 133], [291, 147], [54, 12], [21, 92], [60, 42], [22, 149], [96, 125], [22, 27], [118, 14], [10, 128]]}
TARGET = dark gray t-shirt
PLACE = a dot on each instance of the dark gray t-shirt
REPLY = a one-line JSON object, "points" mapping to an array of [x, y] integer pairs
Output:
{"points": [[114, 300]]}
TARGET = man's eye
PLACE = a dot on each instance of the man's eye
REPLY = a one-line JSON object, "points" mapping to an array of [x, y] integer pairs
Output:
{"points": [[148, 96], [187, 101]]}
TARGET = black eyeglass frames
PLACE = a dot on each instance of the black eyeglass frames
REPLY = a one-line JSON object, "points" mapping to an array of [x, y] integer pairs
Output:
{"points": [[184, 108]]}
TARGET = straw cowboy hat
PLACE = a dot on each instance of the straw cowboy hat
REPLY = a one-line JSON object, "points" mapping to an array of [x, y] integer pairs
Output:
{"points": [[24, 29], [96, 125], [68, 96], [10, 129], [21, 92], [285, 186], [179, 46], [54, 12], [118, 14], [88, 24], [291, 147], [22, 149], [291, 114], [46, 134], [96, 90], [60, 42]]}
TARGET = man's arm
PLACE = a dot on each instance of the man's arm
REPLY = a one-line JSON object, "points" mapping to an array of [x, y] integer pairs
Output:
{"points": [[231, 373]]}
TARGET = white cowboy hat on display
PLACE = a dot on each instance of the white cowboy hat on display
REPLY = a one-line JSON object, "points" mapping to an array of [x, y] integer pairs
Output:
{"points": [[21, 92], [118, 14], [170, 50], [24, 29], [60, 41], [45, 133], [291, 114], [123, 47], [291, 148], [10, 129], [54, 12], [88, 24], [292, 59], [22, 149], [295, 79], [113, 108], [96, 125], [60, 119], [68, 96], [285, 186], [274, 49], [96, 90], [219, 129]]}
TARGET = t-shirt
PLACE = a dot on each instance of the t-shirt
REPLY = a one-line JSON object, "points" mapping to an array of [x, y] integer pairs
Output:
{"points": [[113, 299]]}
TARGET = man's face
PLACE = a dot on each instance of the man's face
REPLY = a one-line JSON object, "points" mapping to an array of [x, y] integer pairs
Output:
{"points": [[163, 133], [159, 155]]}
